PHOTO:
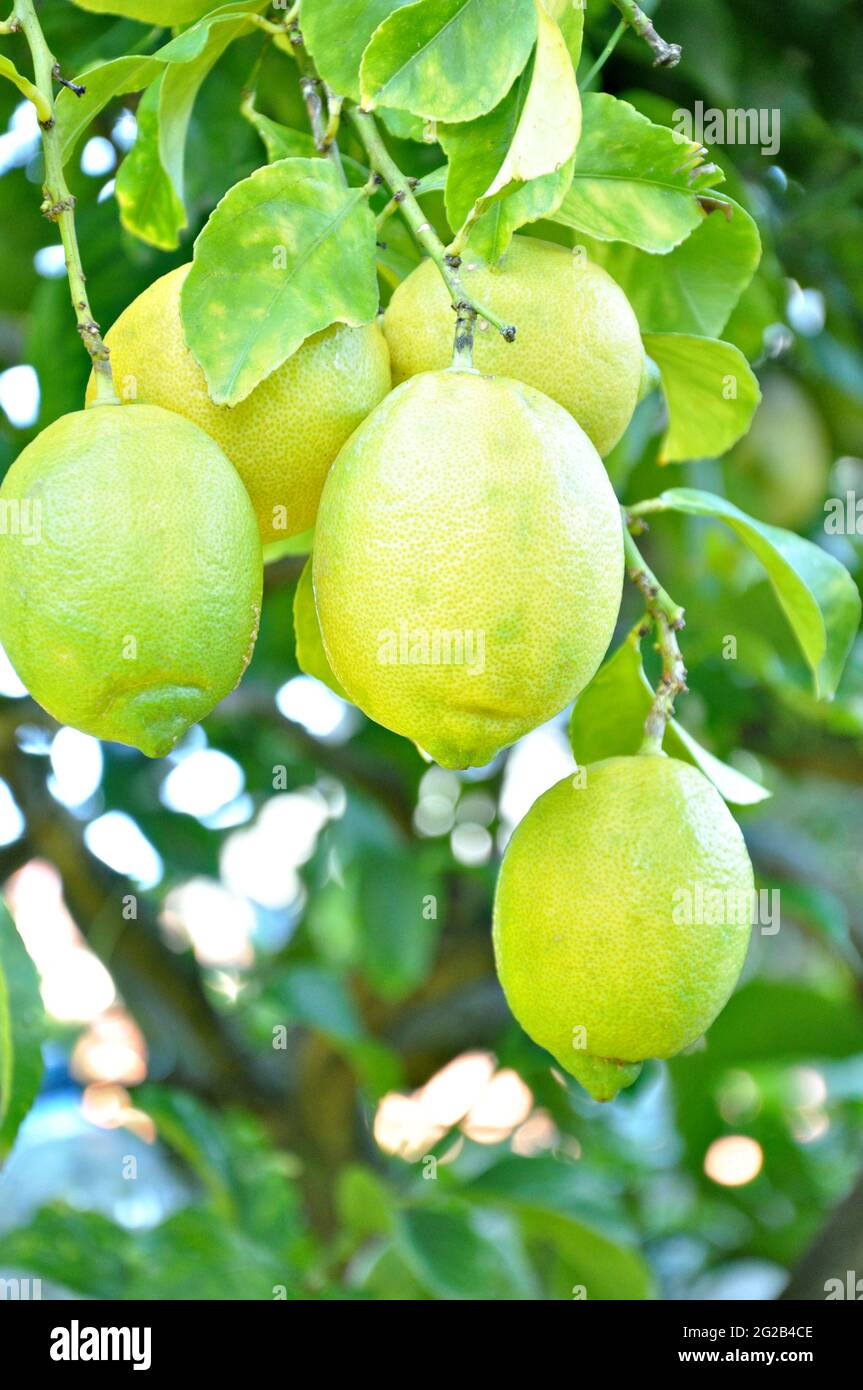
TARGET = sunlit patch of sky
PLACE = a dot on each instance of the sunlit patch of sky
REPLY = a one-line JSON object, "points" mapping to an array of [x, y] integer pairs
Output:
{"points": [[98, 157], [10, 686], [120, 843], [806, 310], [203, 783], [536, 762], [218, 924], [20, 141], [19, 395], [320, 711], [50, 261], [12, 822], [261, 862], [125, 129], [76, 765]]}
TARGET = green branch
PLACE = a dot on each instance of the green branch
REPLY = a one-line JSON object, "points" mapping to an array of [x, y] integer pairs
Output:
{"points": [[401, 187], [667, 618], [58, 204], [665, 55]]}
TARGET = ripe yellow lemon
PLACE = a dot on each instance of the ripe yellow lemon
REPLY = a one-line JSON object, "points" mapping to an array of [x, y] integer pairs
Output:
{"points": [[283, 437], [468, 563], [578, 339], [130, 573], [622, 916], [779, 471]]}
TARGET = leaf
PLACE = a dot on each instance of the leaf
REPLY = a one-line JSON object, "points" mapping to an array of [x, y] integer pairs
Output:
{"points": [[190, 1129], [569, 16], [711, 393], [25, 86], [164, 12], [363, 1201], [525, 144], [149, 204], [419, 56], [287, 252], [454, 1258], [281, 142], [22, 1028], [79, 1250], [693, 288], [311, 657], [548, 1196], [608, 721], [633, 181], [398, 940], [336, 34], [816, 593], [150, 181], [105, 81]]}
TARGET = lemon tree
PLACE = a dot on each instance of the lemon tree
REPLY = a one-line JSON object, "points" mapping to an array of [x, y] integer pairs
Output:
{"points": [[491, 352]]}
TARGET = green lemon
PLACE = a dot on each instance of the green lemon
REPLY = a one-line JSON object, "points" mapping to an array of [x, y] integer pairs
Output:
{"points": [[130, 573], [778, 473], [468, 563], [283, 437], [578, 339], [622, 916]]}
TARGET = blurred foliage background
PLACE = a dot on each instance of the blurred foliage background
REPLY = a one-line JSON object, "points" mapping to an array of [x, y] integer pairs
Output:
{"points": [[280, 1063]]}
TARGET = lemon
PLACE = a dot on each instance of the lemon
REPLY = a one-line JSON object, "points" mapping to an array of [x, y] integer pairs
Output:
{"points": [[621, 918], [468, 563], [779, 471], [283, 437], [578, 339], [130, 573]]}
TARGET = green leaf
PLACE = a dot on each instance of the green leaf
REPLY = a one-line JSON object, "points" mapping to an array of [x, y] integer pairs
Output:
{"points": [[525, 144], [608, 721], [364, 1203], [149, 204], [165, 12], [105, 81], [311, 657], [634, 181], [336, 34], [419, 56], [461, 1254], [816, 593], [287, 252], [548, 1196], [22, 1028], [79, 1250], [281, 142], [693, 288], [399, 939], [191, 1130], [603, 1268], [711, 392]]}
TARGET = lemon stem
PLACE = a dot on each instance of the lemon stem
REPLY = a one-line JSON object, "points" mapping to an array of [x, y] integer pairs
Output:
{"points": [[58, 204], [667, 618], [401, 189]]}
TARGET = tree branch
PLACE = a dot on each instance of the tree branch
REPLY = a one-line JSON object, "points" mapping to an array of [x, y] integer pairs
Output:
{"points": [[665, 55]]}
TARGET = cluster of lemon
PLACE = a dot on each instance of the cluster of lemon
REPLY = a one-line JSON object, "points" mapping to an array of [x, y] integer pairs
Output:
{"points": [[467, 575]]}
